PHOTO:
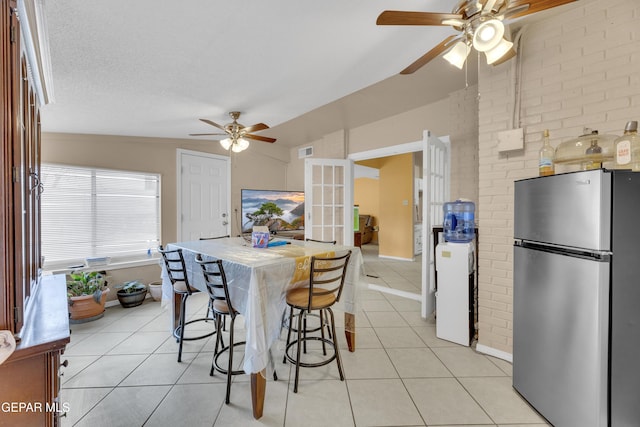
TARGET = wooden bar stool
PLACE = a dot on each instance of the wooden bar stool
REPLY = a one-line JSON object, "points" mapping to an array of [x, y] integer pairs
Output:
{"points": [[326, 281]]}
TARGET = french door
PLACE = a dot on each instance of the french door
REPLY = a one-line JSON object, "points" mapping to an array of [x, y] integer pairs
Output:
{"points": [[328, 189], [436, 173]]}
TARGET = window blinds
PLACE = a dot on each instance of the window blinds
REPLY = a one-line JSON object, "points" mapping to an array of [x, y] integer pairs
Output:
{"points": [[89, 212]]}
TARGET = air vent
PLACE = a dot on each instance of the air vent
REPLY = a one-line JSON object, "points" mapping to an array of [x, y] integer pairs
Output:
{"points": [[305, 152]]}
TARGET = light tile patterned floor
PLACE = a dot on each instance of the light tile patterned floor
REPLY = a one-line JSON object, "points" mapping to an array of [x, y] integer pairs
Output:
{"points": [[123, 372]]}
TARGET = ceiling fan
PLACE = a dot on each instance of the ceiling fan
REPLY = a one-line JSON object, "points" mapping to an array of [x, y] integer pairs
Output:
{"points": [[236, 134], [480, 23]]}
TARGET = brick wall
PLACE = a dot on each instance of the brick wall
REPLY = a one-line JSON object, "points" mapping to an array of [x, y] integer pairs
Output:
{"points": [[580, 67], [462, 121]]}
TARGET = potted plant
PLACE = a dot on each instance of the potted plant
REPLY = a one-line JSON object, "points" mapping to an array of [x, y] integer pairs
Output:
{"points": [[132, 293], [86, 295]]}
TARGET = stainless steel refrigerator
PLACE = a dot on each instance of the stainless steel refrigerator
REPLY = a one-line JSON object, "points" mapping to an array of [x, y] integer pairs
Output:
{"points": [[576, 313]]}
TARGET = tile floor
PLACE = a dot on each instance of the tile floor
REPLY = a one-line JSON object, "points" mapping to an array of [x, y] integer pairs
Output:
{"points": [[123, 372]]}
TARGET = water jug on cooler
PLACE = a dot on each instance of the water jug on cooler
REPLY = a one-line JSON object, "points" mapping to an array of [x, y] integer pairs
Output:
{"points": [[459, 223]]}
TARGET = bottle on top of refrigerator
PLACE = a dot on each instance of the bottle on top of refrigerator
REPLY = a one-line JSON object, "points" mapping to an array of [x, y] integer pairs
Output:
{"points": [[546, 156], [628, 148], [459, 222]]}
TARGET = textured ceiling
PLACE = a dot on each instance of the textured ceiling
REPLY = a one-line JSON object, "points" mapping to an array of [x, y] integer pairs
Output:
{"points": [[154, 67]]}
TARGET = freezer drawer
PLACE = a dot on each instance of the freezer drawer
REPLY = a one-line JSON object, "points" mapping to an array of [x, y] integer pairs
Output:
{"points": [[560, 336], [572, 210]]}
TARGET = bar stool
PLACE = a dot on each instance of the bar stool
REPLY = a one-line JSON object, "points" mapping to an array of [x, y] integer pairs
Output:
{"points": [[177, 272], [209, 308], [326, 281], [330, 242], [285, 319], [218, 290]]}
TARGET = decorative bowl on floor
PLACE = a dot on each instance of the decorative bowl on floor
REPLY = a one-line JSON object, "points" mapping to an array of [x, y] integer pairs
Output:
{"points": [[132, 294]]}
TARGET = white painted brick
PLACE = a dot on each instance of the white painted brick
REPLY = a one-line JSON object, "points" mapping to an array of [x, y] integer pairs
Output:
{"points": [[582, 100], [584, 62], [580, 67], [580, 80], [612, 104], [609, 83]]}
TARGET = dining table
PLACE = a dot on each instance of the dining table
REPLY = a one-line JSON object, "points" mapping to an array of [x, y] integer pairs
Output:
{"points": [[258, 280]]}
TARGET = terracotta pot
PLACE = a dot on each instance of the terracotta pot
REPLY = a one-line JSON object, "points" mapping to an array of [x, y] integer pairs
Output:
{"points": [[85, 309]]}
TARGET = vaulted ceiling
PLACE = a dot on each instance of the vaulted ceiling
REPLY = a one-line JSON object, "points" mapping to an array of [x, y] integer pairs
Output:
{"points": [[306, 68]]}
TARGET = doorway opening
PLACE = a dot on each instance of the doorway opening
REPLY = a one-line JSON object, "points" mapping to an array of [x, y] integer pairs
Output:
{"points": [[428, 190]]}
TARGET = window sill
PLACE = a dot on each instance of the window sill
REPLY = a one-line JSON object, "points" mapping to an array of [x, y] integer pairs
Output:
{"points": [[119, 264]]}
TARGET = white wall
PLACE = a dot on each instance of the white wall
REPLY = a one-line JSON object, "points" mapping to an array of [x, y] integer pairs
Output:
{"points": [[580, 67], [455, 116]]}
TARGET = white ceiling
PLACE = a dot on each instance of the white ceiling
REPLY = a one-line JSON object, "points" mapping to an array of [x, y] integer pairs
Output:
{"points": [[154, 67]]}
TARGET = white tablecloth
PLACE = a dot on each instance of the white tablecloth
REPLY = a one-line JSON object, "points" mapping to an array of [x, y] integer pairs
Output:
{"points": [[258, 280]]}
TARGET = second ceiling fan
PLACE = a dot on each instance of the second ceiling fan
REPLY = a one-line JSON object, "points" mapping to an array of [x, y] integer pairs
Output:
{"points": [[479, 23], [237, 135]]}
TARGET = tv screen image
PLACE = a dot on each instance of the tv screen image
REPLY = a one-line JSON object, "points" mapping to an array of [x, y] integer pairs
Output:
{"points": [[281, 211]]}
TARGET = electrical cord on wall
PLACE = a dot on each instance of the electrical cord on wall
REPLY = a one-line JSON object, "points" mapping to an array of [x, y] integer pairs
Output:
{"points": [[517, 79]]}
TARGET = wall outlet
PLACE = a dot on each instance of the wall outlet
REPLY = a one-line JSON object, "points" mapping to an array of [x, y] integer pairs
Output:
{"points": [[509, 140]]}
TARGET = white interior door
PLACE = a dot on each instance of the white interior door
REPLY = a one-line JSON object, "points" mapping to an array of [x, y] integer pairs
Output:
{"points": [[203, 195], [436, 175], [328, 200]]}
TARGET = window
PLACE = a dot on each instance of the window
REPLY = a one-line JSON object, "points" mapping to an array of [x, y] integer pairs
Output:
{"points": [[88, 212]]}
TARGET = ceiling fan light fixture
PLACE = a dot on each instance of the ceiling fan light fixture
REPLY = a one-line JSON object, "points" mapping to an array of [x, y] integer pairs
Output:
{"points": [[226, 143], [240, 145], [499, 51], [488, 35], [457, 55]]}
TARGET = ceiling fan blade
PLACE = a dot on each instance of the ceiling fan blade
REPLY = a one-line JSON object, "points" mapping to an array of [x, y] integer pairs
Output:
{"points": [[396, 17], [209, 122], [255, 128], [259, 138], [206, 134], [536, 6], [419, 63], [513, 11]]}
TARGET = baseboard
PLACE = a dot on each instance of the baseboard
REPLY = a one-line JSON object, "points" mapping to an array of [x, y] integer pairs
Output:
{"points": [[397, 258], [397, 292], [494, 352]]}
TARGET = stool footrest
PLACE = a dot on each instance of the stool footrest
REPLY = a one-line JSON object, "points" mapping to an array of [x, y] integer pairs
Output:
{"points": [[326, 361], [176, 331], [220, 353]]}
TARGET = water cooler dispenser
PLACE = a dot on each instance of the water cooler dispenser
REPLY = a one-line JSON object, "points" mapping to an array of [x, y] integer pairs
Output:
{"points": [[455, 272], [455, 264]]}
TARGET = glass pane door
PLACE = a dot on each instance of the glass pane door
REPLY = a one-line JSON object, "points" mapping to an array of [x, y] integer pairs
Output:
{"points": [[436, 160], [329, 200]]}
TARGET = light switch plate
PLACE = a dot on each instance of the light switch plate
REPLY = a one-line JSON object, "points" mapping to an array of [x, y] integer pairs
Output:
{"points": [[509, 140]]}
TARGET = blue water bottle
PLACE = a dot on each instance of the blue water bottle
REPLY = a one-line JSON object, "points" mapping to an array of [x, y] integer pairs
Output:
{"points": [[459, 221]]}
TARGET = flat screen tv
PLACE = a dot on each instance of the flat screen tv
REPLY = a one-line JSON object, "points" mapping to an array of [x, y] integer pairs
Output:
{"points": [[281, 211]]}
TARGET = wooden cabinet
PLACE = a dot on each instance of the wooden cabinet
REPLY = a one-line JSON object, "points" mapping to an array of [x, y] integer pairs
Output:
{"points": [[32, 308], [30, 378]]}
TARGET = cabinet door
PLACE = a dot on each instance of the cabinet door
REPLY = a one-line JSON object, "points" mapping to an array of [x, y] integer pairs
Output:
{"points": [[19, 181], [37, 392], [10, 74]]}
